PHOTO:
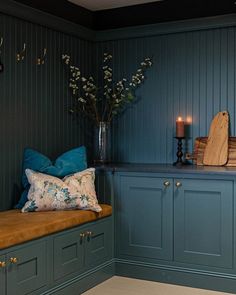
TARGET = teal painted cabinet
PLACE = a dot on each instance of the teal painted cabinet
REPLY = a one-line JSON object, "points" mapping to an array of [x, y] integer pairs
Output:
{"points": [[27, 269], [144, 207], [61, 263], [203, 222], [68, 253], [81, 249], [98, 243], [2, 275], [183, 220]]}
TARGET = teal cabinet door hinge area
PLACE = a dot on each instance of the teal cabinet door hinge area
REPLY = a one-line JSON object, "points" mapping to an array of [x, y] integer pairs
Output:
{"points": [[203, 222], [144, 208]]}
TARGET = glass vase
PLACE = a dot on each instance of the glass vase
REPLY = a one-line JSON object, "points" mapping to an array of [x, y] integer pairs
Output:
{"points": [[102, 143]]}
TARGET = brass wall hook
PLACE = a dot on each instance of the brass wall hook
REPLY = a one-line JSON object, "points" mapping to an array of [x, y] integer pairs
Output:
{"points": [[1, 42], [1, 64], [21, 55], [41, 60]]}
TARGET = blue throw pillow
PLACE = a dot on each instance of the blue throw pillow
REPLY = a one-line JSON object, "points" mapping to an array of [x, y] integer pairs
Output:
{"points": [[70, 162]]}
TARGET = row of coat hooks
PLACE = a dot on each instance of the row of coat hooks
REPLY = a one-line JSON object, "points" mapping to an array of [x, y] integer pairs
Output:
{"points": [[20, 56]]}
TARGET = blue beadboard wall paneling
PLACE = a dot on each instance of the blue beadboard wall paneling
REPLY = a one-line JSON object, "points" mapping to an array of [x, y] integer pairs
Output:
{"points": [[30, 14], [193, 76], [35, 100], [231, 77]]}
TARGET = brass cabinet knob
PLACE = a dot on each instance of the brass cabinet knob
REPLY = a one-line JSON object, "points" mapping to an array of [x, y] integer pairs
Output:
{"points": [[178, 184], [13, 260], [166, 183], [2, 264], [89, 233]]}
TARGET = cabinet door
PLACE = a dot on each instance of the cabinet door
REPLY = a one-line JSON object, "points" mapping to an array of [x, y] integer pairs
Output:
{"points": [[2, 275], [99, 243], [204, 222], [144, 221], [68, 253], [28, 273]]}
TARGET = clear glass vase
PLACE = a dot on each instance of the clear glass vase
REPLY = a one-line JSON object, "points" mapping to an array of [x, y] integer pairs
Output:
{"points": [[102, 143]]}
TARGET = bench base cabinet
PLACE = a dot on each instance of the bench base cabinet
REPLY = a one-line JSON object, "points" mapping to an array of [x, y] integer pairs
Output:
{"points": [[45, 265], [174, 224], [81, 249]]}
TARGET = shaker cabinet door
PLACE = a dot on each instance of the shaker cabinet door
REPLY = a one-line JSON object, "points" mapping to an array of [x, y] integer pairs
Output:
{"points": [[68, 253], [98, 243], [2, 275], [203, 222], [26, 271], [144, 209]]}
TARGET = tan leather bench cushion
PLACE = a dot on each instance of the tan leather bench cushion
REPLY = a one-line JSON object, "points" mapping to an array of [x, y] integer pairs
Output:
{"points": [[17, 227]]}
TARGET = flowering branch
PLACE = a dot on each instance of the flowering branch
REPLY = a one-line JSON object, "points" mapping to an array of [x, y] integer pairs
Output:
{"points": [[114, 97]]}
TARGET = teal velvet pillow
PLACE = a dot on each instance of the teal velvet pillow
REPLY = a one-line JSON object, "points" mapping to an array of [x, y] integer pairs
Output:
{"points": [[70, 162]]}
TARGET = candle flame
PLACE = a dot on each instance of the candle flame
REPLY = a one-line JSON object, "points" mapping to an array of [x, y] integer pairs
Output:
{"points": [[179, 119], [189, 119]]}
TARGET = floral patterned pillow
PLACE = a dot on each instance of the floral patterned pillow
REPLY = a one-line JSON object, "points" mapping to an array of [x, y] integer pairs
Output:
{"points": [[51, 193], [83, 184]]}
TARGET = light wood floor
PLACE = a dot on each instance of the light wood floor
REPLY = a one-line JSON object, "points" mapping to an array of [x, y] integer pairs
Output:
{"points": [[125, 286]]}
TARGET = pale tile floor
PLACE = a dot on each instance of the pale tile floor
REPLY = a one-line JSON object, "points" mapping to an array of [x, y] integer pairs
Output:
{"points": [[126, 286]]}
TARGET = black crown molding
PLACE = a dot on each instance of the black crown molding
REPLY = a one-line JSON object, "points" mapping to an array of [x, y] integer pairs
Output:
{"points": [[33, 15], [198, 24], [160, 12]]}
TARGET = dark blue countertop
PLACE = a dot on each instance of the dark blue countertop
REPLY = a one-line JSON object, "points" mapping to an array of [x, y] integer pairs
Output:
{"points": [[168, 168]]}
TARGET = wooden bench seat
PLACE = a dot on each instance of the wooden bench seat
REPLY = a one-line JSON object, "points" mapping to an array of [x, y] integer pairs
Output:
{"points": [[17, 227]]}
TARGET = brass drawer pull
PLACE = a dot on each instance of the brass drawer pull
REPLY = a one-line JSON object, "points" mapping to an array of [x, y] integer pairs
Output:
{"points": [[166, 183], [13, 260], [178, 184], [89, 233], [82, 235], [2, 264]]}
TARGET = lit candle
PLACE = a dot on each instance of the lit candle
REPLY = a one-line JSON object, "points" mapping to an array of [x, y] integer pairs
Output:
{"points": [[179, 127]]}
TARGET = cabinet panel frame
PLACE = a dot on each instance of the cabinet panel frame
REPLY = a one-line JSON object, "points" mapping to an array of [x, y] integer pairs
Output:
{"points": [[103, 230], [35, 253], [224, 191], [155, 183]]}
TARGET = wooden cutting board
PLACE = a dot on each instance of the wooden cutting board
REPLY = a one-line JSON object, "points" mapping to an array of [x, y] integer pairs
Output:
{"points": [[216, 151], [199, 148]]}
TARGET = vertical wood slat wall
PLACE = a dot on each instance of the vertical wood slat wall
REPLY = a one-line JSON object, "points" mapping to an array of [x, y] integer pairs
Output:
{"points": [[34, 100], [193, 76]]}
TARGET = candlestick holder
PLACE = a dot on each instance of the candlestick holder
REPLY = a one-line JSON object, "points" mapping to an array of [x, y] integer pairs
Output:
{"points": [[179, 153]]}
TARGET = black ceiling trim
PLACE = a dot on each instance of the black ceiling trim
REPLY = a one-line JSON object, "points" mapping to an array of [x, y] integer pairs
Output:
{"points": [[64, 9], [42, 18], [159, 12], [142, 14], [206, 23], [59, 24]]}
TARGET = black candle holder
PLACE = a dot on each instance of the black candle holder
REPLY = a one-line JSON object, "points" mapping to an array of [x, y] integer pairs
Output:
{"points": [[179, 153]]}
